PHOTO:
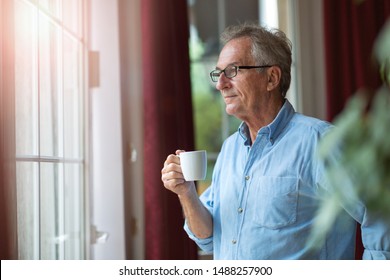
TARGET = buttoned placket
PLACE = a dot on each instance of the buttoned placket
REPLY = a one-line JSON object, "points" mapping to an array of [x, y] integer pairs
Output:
{"points": [[255, 151]]}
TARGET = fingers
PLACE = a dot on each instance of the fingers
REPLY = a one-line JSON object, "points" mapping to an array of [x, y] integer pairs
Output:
{"points": [[172, 159], [179, 151], [171, 183], [171, 173], [171, 177], [173, 180]]}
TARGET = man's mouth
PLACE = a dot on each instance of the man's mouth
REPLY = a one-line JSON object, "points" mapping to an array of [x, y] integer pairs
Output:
{"points": [[228, 97]]}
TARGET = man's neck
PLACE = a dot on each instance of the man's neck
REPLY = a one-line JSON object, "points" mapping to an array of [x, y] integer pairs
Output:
{"points": [[264, 118]]}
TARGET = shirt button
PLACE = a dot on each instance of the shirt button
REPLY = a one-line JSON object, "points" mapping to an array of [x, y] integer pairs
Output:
{"points": [[247, 177], [234, 241], [240, 210]]}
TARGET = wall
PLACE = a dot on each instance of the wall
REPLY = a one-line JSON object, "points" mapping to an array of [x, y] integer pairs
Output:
{"points": [[107, 191], [132, 124], [310, 57]]}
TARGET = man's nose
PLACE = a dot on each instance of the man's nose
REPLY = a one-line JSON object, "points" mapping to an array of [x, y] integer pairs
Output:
{"points": [[222, 82]]}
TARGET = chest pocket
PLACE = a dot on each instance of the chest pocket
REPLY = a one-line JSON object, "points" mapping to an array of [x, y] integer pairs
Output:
{"points": [[275, 200]]}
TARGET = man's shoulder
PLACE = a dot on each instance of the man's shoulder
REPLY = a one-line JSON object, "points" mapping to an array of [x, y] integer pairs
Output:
{"points": [[236, 136], [309, 123]]}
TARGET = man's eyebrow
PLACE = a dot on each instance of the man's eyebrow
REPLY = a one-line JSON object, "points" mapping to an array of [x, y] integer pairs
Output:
{"points": [[230, 64]]}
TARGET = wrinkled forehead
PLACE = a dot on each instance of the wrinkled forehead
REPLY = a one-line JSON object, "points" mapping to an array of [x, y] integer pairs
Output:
{"points": [[237, 51]]}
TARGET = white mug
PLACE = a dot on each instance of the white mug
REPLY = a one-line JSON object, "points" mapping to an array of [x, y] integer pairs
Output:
{"points": [[193, 165]]}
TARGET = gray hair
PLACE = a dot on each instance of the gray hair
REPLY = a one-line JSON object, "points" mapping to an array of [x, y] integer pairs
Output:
{"points": [[269, 46]]}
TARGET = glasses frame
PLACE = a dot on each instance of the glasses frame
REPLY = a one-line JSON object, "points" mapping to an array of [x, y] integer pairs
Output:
{"points": [[215, 77]]}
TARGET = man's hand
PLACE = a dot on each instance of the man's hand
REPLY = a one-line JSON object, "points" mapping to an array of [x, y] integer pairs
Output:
{"points": [[172, 175]]}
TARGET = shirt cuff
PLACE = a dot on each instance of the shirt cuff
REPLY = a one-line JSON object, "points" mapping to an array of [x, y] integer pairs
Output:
{"points": [[206, 244], [376, 255]]}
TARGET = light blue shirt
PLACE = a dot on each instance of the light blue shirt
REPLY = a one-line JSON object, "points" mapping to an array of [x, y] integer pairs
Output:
{"points": [[263, 197]]}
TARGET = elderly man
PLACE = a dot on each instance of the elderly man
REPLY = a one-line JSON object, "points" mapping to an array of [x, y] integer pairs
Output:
{"points": [[267, 184]]}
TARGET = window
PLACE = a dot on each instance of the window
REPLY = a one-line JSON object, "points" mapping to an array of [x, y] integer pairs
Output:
{"points": [[49, 94]]}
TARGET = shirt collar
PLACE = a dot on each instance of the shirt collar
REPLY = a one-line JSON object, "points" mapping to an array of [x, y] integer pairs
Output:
{"points": [[274, 129]]}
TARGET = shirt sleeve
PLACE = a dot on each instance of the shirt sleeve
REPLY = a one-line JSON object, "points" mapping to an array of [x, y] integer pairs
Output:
{"points": [[206, 244], [376, 238], [375, 227]]}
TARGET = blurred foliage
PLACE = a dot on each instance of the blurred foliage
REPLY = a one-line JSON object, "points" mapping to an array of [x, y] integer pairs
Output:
{"points": [[361, 144], [382, 52], [208, 122]]}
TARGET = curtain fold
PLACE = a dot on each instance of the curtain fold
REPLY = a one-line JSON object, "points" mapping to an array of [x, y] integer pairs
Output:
{"points": [[168, 122], [351, 28]]}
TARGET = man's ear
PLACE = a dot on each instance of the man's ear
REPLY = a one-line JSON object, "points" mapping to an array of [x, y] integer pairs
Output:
{"points": [[274, 75]]}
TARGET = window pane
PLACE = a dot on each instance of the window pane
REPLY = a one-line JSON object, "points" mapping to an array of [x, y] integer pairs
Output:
{"points": [[50, 88], [51, 208], [72, 15], [26, 93], [73, 211], [53, 7], [72, 98], [28, 209]]}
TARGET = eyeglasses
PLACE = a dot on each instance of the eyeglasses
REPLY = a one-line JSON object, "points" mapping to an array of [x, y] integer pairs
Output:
{"points": [[231, 71]]}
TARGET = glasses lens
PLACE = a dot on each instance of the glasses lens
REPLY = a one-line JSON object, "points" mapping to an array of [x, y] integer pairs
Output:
{"points": [[230, 71], [215, 75]]}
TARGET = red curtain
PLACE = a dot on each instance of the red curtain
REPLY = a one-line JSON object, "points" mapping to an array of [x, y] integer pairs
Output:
{"points": [[168, 122], [351, 27], [350, 30]]}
